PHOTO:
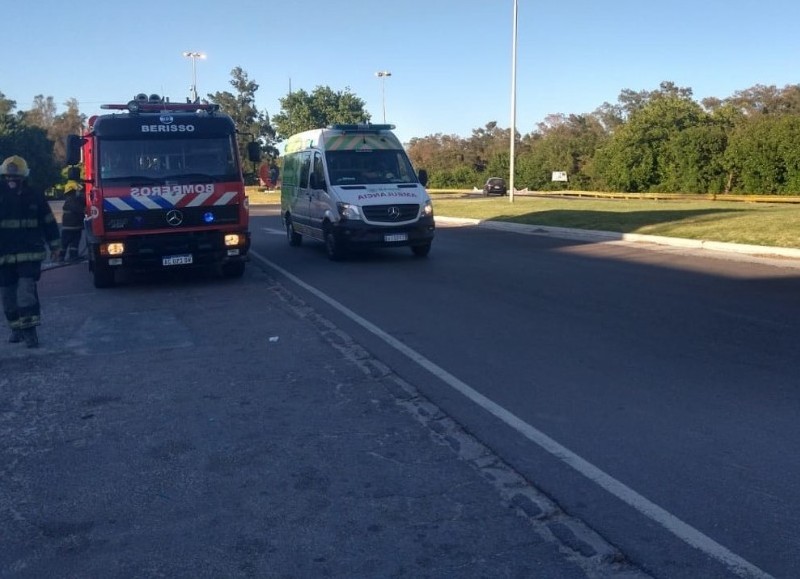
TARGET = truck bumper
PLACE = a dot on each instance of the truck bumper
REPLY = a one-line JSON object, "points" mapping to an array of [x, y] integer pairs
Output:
{"points": [[171, 251], [357, 234]]}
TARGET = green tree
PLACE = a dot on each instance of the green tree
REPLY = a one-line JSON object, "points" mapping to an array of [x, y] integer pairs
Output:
{"points": [[43, 114], [609, 116], [767, 100], [638, 155], [7, 107], [533, 170], [484, 146], [694, 160], [18, 137], [438, 153], [500, 166], [564, 143], [70, 122], [32, 144], [301, 111], [457, 178], [251, 124], [764, 155], [650, 140]]}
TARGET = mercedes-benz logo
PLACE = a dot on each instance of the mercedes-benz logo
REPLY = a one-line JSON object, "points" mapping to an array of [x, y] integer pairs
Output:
{"points": [[394, 212], [174, 217]]}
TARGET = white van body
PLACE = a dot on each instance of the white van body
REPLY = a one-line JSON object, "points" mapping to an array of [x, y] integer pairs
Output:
{"points": [[353, 186]]}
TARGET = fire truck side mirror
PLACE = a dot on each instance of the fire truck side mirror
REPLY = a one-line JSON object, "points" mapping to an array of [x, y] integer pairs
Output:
{"points": [[254, 151], [74, 144]]}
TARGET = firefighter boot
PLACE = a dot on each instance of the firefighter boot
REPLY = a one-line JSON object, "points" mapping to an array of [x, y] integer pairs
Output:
{"points": [[31, 338], [15, 337]]}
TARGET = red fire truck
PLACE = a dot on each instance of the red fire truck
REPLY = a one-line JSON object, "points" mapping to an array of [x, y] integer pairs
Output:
{"points": [[163, 187]]}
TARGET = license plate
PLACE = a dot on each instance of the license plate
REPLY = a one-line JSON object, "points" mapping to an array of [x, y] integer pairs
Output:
{"points": [[396, 237], [176, 260]]}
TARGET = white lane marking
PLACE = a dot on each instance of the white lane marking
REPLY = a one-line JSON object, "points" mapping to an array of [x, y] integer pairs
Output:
{"points": [[273, 232], [677, 527]]}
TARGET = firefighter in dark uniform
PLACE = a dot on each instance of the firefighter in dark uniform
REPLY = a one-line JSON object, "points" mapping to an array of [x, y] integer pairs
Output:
{"points": [[71, 221], [26, 222]]}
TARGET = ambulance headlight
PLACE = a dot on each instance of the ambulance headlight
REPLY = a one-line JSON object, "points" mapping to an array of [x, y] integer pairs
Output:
{"points": [[112, 248], [233, 239], [426, 210], [348, 211]]}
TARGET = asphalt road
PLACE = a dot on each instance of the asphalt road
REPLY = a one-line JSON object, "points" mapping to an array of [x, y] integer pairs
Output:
{"points": [[653, 393], [512, 406], [193, 427]]}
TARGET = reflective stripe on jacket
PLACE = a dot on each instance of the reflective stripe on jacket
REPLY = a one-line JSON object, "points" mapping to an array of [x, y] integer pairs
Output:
{"points": [[26, 223]]}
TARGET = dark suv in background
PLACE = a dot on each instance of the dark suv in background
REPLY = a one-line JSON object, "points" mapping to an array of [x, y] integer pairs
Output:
{"points": [[494, 186]]}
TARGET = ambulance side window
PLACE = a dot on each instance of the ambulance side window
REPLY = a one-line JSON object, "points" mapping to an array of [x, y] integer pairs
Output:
{"points": [[305, 169]]}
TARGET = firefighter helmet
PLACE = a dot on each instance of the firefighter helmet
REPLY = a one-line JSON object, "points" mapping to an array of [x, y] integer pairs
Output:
{"points": [[15, 166]]}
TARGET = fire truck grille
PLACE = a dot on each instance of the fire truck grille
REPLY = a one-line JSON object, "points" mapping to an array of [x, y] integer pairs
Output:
{"points": [[391, 213], [184, 217]]}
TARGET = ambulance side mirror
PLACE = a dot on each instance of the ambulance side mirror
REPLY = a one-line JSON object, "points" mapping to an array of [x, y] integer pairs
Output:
{"points": [[423, 177]]}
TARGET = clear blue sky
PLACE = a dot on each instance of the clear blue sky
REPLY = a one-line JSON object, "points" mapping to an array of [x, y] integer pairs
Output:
{"points": [[450, 59]]}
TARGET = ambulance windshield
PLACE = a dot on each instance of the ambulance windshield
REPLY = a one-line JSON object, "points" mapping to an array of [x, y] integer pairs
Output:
{"points": [[371, 167], [211, 159]]}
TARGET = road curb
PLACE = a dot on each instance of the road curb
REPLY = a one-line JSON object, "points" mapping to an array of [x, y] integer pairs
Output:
{"points": [[593, 235]]}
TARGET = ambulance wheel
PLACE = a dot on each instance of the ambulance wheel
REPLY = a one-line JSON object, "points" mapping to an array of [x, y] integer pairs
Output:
{"points": [[421, 250], [233, 269], [104, 276], [294, 238], [333, 247]]}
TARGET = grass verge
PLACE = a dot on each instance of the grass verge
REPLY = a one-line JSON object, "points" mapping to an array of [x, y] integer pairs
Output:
{"points": [[776, 225], [768, 224]]}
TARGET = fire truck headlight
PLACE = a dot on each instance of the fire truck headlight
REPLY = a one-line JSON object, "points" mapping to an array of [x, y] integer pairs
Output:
{"points": [[233, 239], [208, 217], [112, 249]]}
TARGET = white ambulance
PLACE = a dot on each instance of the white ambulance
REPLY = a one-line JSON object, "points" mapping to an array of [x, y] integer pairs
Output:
{"points": [[353, 186]]}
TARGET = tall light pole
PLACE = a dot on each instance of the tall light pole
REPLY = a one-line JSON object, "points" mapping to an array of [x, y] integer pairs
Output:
{"points": [[513, 103], [194, 56], [382, 74]]}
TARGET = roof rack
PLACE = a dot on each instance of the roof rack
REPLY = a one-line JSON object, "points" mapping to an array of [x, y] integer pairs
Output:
{"points": [[361, 128], [142, 103]]}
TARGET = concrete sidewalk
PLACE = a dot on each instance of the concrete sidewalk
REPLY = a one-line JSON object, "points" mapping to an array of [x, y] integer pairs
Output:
{"points": [[217, 428]]}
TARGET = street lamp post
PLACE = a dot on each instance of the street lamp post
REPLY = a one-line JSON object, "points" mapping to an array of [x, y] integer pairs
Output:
{"points": [[513, 104], [194, 56], [382, 74]]}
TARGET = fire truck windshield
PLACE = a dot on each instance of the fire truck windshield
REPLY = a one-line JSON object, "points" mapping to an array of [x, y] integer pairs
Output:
{"points": [[210, 159]]}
